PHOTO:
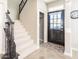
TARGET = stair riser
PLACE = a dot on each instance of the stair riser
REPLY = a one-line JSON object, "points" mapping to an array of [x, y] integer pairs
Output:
{"points": [[27, 42], [23, 48], [21, 34], [22, 39], [28, 52]]}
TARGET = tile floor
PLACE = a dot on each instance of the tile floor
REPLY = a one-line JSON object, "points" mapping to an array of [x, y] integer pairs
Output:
{"points": [[49, 51]]}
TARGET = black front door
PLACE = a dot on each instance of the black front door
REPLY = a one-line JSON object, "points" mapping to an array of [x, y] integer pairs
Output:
{"points": [[56, 27]]}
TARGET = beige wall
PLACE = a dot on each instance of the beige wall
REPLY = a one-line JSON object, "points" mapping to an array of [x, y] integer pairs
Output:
{"points": [[28, 18], [13, 7]]}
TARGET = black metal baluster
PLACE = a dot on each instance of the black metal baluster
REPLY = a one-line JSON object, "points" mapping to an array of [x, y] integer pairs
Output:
{"points": [[21, 5]]}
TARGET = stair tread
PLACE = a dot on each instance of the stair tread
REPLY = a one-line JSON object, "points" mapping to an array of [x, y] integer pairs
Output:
{"points": [[22, 39], [24, 54], [22, 42], [24, 47], [19, 39], [20, 33]]}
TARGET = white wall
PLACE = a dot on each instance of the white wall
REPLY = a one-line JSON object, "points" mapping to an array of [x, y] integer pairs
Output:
{"points": [[42, 7], [57, 5], [71, 27], [68, 28], [1, 26], [3, 7], [13, 7], [74, 27]]}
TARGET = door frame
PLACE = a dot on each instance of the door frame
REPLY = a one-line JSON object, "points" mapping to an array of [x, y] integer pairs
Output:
{"points": [[63, 23], [39, 25]]}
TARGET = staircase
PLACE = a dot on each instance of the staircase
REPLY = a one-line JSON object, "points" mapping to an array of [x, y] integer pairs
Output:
{"points": [[24, 42]]}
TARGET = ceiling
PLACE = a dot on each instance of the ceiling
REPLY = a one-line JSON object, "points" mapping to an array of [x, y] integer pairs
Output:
{"points": [[48, 1]]}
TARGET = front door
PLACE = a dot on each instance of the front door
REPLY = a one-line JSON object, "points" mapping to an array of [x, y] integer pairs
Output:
{"points": [[56, 27]]}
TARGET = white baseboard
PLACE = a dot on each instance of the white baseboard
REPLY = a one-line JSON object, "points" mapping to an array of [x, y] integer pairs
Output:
{"points": [[68, 54]]}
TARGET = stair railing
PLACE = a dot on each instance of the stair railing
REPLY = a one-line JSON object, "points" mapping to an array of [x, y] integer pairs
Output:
{"points": [[10, 46], [21, 5]]}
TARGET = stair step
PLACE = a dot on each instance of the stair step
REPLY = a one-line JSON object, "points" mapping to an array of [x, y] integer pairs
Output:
{"points": [[22, 37], [20, 30], [21, 43], [17, 22], [19, 39], [18, 26], [27, 51], [24, 46], [21, 34]]}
